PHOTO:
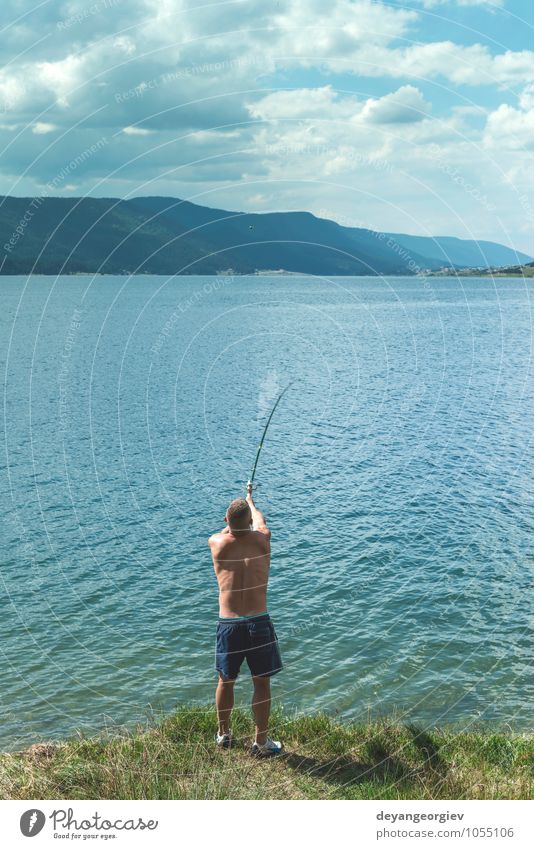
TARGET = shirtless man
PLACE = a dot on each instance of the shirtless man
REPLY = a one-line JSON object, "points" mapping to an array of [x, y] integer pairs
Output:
{"points": [[241, 556]]}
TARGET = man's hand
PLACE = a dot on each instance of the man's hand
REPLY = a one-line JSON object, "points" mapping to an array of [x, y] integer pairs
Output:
{"points": [[258, 519]]}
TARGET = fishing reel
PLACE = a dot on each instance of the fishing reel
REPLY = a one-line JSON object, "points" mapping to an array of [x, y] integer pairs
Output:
{"points": [[252, 485]]}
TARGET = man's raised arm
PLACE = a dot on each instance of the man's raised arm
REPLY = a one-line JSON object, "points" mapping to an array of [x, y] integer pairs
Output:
{"points": [[258, 519]]}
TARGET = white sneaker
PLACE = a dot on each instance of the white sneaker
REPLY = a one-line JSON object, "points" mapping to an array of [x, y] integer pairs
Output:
{"points": [[267, 749], [224, 741]]}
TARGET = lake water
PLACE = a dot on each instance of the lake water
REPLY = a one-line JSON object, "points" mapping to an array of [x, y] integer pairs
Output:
{"points": [[396, 477]]}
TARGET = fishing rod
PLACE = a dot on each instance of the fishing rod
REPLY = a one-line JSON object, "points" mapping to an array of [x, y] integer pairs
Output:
{"points": [[260, 446]]}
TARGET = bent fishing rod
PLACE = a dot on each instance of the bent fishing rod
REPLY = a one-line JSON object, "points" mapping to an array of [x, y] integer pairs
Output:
{"points": [[260, 446]]}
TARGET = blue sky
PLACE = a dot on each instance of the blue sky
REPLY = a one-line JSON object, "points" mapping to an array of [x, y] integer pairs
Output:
{"points": [[410, 117]]}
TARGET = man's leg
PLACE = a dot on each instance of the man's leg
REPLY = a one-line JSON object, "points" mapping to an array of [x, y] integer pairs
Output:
{"points": [[224, 699], [261, 706]]}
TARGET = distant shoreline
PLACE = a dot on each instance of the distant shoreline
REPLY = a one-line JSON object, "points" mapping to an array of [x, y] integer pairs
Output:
{"points": [[480, 276]]}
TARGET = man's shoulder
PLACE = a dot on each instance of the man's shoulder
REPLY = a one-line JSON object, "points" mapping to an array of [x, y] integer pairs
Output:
{"points": [[263, 535], [217, 539]]}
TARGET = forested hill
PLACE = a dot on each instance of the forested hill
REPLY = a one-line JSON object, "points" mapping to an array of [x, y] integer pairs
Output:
{"points": [[161, 235]]}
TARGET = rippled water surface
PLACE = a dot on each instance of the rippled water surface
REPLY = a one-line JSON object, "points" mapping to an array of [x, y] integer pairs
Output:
{"points": [[396, 477]]}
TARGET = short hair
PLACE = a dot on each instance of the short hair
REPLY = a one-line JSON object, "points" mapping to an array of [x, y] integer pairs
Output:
{"points": [[238, 513]]}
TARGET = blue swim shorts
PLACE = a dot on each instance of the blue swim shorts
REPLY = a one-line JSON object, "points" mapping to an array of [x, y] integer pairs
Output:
{"points": [[247, 637]]}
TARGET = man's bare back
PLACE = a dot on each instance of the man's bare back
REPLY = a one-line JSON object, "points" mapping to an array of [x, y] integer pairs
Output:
{"points": [[241, 559]]}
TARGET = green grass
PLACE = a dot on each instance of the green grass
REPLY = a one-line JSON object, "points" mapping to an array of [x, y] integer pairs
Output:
{"points": [[324, 759], [520, 271]]}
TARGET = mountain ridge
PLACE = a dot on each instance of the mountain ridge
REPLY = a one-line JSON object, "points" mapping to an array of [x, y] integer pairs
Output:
{"points": [[166, 235]]}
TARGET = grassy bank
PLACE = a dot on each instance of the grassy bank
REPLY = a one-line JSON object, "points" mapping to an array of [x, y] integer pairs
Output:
{"points": [[324, 759]]}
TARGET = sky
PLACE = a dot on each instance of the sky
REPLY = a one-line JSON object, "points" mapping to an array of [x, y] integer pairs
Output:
{"points": [[413, 117]]}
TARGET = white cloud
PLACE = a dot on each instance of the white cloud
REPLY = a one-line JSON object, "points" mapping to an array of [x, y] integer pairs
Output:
{"points": [[490, 4], [137, 131], [40, 128], [125, 45], [313, 28], [61, 77], [459, 64], [510, 128], [12, 91], [405, 105], [321, 102], [526, 98], [341, 135]]}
